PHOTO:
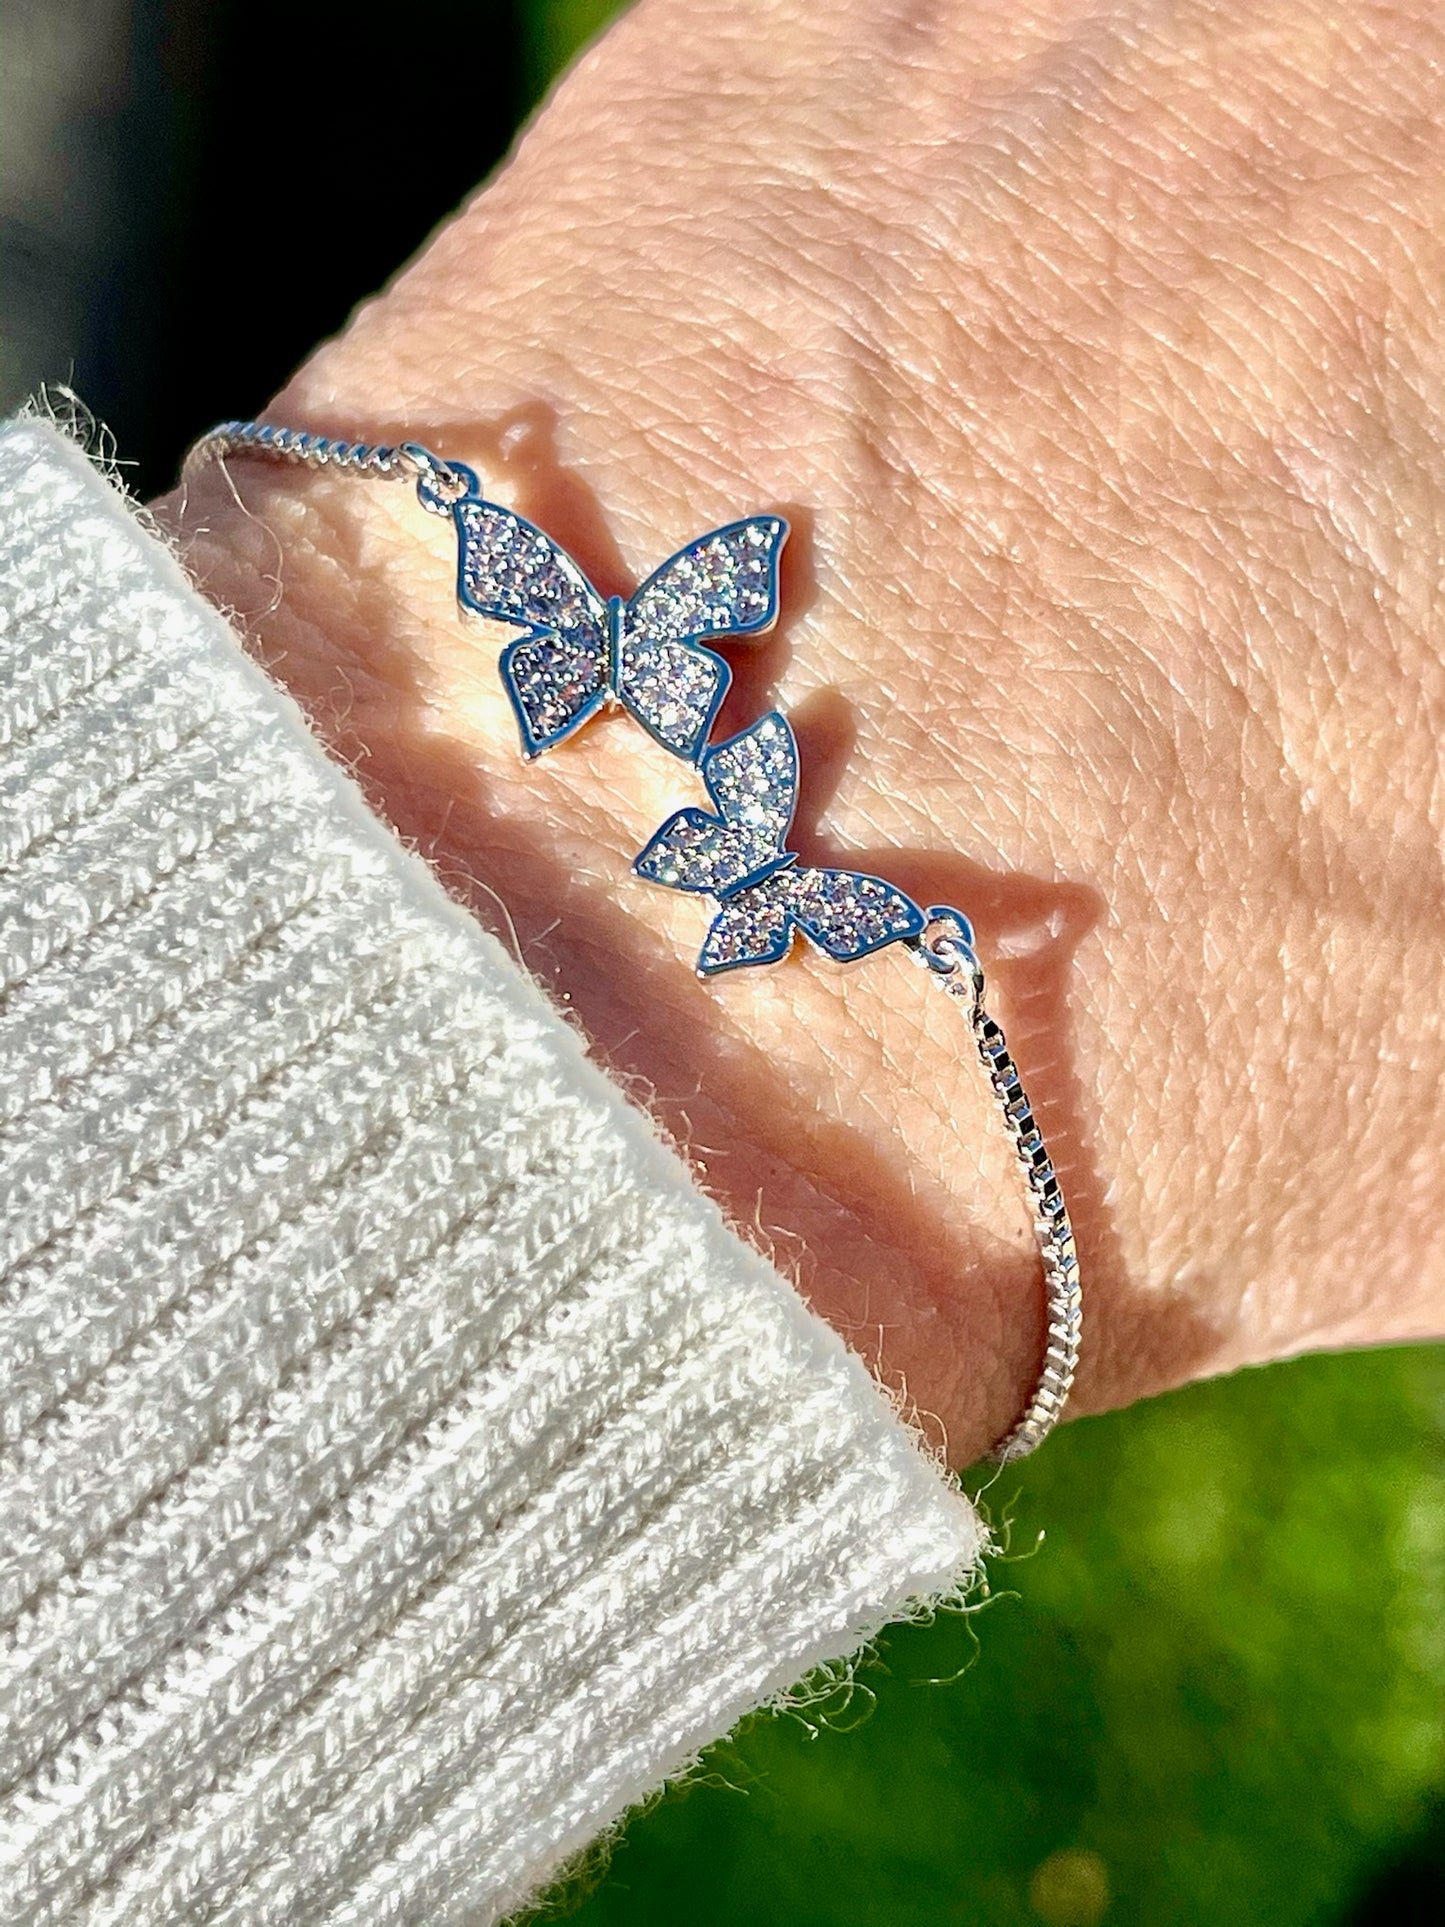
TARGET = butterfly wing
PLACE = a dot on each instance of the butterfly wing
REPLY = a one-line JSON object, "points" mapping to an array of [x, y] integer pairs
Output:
{"points": [[555, 682], [674, 689], [848, 915], [753, 781], [753, 927], [555, 675], [694, 851], [724, 584]]}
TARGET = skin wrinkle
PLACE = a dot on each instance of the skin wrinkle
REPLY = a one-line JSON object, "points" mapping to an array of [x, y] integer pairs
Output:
{"points": [[1096, 348]]}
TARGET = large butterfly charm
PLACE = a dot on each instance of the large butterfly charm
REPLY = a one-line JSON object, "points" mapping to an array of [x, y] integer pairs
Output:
{"points": [[581, 652], [736, 854]]}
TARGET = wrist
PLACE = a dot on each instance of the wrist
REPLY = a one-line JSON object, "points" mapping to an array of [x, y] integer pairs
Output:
{"points": [[841, 1120], [1139, 638]]}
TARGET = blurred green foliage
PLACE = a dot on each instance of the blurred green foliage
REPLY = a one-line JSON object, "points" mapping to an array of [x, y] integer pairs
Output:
{"points": [[552, 32], [1208, 1689], [1212, 1694]]}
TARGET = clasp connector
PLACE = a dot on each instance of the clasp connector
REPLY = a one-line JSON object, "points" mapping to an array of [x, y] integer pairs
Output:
{"points": [[946, 945], [439, 485]]}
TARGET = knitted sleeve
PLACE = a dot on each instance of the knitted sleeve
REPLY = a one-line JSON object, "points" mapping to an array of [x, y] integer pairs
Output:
{"points": [[402, 1466]]}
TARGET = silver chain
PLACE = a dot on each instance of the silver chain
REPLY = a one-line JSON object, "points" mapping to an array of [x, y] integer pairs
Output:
{"points": [[405, 462], [946, 948]]}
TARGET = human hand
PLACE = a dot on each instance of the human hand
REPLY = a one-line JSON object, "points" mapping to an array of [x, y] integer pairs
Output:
{"points": [[1094, 358]]}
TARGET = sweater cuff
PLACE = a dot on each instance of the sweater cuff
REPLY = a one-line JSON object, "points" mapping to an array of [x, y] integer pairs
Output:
{"points": [[402, 1466]]}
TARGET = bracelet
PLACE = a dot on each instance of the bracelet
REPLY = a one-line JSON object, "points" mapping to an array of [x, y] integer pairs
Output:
{"points": [[579, 653]]}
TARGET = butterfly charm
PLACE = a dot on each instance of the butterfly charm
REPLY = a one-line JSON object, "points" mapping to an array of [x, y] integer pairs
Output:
{"points": [[736, 854], [582, 652]]}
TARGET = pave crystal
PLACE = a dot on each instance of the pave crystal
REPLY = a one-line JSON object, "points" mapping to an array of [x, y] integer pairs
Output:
{"points": [[753, 779], [515, 573], [848, 915], [673, 688], [724, 583], [756, 926], [553, 677], [844, 914], [695, 852]]}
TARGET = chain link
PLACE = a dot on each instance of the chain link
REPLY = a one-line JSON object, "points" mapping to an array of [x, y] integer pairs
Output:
{"points": [[946, 948], [439, 483]]}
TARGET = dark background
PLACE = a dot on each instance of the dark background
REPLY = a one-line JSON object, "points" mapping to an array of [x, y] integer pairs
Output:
{"points": [[194, 193], [1214, 1693]]}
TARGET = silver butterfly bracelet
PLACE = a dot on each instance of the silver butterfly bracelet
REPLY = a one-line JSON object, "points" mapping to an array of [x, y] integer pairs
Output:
{"points": [[579, 652]]}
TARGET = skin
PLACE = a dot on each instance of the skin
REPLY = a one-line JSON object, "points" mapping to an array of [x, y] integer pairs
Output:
{"points": [[1094, 352]]}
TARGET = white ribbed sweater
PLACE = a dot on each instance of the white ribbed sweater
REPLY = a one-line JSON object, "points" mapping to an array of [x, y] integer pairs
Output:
{"points": [[402, 1467]]}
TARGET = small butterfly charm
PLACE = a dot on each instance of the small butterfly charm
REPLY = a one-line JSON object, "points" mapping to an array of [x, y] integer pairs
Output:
{"points": [[582, 652], [737, 855]]}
